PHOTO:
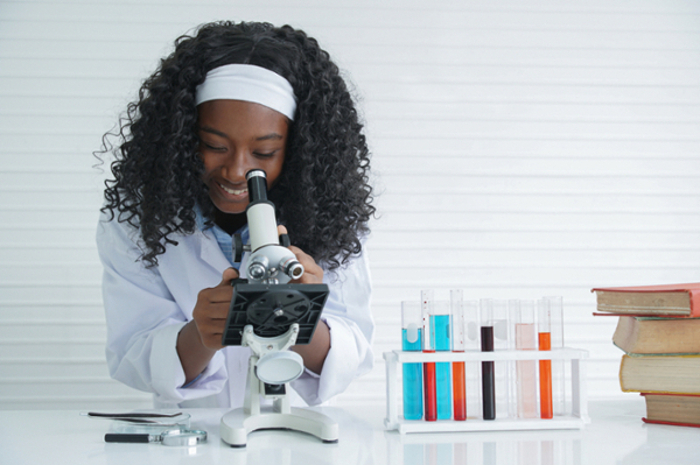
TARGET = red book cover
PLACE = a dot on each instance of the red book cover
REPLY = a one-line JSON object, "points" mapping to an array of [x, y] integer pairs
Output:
{"points": [[672, 300], [672, 423]]}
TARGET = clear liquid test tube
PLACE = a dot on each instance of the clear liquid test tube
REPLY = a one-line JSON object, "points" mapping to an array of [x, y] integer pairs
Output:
{"points": [[458, 345], [442, 335], [411, 341], [526, 370], [488, 386], [472, 343], [429, 388], [503, 370], [559, 400]]}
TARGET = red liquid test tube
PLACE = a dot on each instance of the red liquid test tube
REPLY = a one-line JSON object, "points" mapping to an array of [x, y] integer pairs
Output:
{"points": [[429, 382]]}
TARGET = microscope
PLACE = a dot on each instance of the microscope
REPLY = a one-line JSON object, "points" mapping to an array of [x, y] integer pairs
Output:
{"points": [[269, 314]]}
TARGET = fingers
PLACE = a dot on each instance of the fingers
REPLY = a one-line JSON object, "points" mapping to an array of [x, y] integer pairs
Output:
{"points": [[223, 291], [211, 310], [312, 272], [229, 275], [211, 325]]}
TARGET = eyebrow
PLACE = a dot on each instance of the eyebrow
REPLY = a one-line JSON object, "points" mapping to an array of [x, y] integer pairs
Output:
{"points": [[271, 136]]}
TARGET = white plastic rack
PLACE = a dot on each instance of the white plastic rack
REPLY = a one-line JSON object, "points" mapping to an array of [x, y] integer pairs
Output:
{"points": [[576, 419]]}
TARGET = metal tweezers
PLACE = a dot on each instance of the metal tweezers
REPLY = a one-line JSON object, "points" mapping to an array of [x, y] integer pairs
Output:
{"points": [[135, 417]]}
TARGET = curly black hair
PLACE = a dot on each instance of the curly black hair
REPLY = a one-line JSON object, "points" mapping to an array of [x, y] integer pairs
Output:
{"points": [[323, 194]]}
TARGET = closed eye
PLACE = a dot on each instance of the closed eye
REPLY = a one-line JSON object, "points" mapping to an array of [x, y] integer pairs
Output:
{"points": [[213, 147], [264, 155]]}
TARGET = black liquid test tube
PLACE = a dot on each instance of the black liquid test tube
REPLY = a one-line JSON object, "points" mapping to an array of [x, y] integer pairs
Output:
{"points": [[487, 375]]}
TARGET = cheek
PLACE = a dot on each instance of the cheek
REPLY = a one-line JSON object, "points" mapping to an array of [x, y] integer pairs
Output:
{"points": [[209, 164], [274, 168]]}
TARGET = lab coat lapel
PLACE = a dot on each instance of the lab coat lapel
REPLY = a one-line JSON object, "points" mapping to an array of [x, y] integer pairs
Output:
{"points": [[210, 252]]}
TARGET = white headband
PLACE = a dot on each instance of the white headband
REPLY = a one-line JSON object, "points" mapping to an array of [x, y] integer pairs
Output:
{"points": [[249, 83]]}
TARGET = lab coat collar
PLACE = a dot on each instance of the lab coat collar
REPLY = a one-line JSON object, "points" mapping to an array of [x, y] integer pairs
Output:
{"points": [[210, 252]]}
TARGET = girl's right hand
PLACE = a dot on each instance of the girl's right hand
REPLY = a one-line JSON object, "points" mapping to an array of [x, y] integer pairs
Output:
{"points": [[211, 310]]}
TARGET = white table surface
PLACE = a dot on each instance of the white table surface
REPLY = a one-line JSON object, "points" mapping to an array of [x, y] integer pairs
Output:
{"points": [[616, 435]]}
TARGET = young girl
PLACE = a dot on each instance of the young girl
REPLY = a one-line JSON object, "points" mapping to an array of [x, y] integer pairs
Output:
{"points": [[234, 97]]}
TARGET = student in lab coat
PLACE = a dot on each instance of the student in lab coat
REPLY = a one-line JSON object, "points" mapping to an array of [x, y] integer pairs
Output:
{"points": [[231, 98]]}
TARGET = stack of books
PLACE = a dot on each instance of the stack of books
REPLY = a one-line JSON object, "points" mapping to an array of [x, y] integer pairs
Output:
{"points": [[659, 331]]}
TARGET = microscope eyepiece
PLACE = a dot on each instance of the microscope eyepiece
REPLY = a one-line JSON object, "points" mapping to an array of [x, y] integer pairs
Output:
{"points": [[257, 186]]}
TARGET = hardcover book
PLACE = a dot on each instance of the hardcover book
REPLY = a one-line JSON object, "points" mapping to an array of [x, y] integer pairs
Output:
{"points": [[645, 335], [660, 374], [672, 409], [680, 300]]}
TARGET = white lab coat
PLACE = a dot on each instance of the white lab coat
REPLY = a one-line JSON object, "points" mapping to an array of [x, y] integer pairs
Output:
{"points": [[146, 308]]}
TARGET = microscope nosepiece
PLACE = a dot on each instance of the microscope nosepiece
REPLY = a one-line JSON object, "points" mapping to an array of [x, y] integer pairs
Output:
{"points": [[257, 269]]}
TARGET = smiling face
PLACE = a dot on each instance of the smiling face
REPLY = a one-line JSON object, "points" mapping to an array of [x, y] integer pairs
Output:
{"points": [[236, 137]]}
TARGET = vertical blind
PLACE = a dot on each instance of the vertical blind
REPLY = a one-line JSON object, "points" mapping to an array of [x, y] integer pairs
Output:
{"points": [[519, 150]]}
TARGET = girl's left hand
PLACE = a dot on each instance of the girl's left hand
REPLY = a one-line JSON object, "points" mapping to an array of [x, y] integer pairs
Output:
{"points": [[313, 274], [314, 353]]}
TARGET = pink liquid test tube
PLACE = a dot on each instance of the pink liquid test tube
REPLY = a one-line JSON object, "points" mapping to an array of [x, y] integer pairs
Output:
{"points": [[526, 370]]}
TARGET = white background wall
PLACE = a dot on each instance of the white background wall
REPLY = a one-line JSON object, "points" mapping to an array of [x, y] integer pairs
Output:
{"points": [[521, 149]]}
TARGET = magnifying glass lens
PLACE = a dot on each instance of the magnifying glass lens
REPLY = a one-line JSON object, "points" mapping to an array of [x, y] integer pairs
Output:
{"points": [[183, 437]]}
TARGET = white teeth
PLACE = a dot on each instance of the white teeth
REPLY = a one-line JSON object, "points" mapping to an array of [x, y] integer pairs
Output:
{"points": [[233, 191]]}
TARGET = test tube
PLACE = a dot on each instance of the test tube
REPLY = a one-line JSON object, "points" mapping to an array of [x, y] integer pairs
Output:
{"points": [[488, 387], [411, 341], [458, 345], [473, 369], [429, 388], [544, 337], [503, 340], [555, 304], [526, 370], [441, 337]]}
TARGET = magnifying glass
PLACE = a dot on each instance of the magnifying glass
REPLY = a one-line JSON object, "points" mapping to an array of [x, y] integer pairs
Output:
{"points": [[175, 437]]}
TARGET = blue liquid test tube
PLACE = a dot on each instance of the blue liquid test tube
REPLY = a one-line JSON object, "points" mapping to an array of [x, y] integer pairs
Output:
{"points": [[441, 336], [411, 341]]}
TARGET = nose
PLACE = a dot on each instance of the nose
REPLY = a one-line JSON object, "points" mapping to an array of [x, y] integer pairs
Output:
{"points": [[235, 167]]}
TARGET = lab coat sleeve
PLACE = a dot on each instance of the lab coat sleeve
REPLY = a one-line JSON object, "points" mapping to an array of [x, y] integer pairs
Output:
{"points": [[143, 323], [348, 315]]}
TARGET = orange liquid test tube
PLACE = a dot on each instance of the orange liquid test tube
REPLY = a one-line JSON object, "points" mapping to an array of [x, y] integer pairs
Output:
{"points": [[544, 337], [460, 391], [545, 343], [458, 372]]}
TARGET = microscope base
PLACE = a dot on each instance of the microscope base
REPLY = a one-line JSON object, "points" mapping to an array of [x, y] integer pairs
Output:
{"points": [[236, 424]]}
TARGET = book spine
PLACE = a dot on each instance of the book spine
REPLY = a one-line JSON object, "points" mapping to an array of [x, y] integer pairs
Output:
{"points": [[694, 303]]}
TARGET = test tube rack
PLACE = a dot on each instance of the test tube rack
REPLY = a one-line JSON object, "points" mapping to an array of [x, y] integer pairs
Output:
{"points": [[576, 419]]}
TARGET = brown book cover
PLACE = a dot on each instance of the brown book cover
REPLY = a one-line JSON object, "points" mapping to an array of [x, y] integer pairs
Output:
{"points": [[680, 300], [660, 374], [672, 409], [647, 335]]}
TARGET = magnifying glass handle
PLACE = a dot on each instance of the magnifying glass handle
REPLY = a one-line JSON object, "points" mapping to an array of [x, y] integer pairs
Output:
{"points": [[131, 438]]}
